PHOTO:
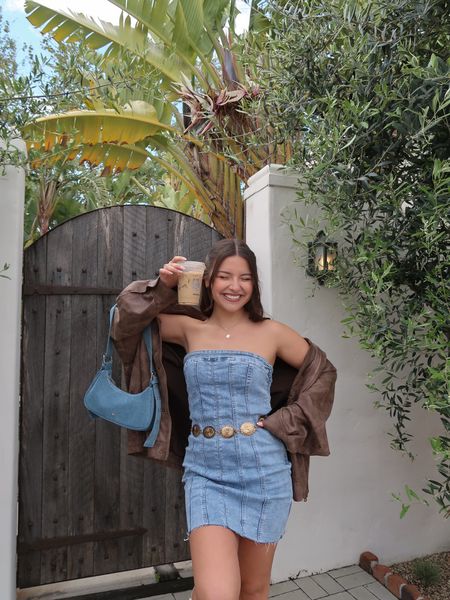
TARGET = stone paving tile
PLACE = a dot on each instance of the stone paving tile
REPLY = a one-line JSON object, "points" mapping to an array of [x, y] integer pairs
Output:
{"points": [[345, 583], [336, 573], [310, 587], [295, 595], [355, 580], [380, 591], [329, 584], [362, 593], [281, 588], [183, 595], [341, 596]]}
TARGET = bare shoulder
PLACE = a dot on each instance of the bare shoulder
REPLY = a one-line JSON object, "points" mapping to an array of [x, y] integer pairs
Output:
{"points": [[279, 329], [291, 346], [176, 328]]}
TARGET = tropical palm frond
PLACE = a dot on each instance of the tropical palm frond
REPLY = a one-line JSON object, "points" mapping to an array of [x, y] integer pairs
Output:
{"points": [[68, 26]]}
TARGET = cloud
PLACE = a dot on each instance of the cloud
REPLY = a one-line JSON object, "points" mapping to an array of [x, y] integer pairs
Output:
{"points": [[14, 5], [241, 23], [243, 16]]}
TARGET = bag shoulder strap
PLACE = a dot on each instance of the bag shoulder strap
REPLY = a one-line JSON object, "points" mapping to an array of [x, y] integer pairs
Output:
{"points": [[107, 357]]}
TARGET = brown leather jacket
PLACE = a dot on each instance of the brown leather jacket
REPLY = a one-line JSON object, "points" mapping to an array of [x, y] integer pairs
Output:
{"points": [[301, 400]]}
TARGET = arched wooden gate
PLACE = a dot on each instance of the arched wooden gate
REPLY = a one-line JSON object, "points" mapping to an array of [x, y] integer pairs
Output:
{"points": [[85, 507]]}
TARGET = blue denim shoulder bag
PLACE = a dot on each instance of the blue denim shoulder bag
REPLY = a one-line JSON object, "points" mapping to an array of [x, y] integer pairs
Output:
{"points": [[141, 412]]}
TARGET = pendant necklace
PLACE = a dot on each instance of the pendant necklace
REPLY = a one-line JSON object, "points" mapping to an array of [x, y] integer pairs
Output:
{"points": [[227, 331]]}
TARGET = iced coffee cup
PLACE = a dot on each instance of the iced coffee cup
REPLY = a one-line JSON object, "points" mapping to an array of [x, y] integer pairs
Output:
{"points": [[190, 282]]}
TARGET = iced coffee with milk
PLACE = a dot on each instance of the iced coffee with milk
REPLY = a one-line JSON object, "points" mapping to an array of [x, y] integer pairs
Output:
{"points": [[190, 282]]}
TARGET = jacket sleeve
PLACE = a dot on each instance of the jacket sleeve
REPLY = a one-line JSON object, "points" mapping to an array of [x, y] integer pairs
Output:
{"points": [[137, 305], [301, 424]]}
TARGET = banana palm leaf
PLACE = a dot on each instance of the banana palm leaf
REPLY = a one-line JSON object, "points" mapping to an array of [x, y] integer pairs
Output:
{"points": [[68, 26], [114, 158], [177, 31], [96, 127], [118, 141]]}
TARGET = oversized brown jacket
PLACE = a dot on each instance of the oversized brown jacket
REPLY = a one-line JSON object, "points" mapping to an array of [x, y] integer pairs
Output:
{"points": [[301, 400]]}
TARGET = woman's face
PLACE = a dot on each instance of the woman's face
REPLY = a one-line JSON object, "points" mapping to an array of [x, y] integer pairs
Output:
{"points": [[233, 284]]}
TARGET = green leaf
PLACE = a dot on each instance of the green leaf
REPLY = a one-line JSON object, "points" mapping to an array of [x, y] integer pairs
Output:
{"points": [[71, 27], [411, 493], [405, 508]]}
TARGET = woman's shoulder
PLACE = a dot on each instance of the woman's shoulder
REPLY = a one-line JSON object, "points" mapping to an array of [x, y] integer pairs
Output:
{"points": [[290, 345], [277, 327], [177, 327]]}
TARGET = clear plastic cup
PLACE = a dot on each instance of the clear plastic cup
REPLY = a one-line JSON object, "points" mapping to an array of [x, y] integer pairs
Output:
{"points": [[190, 282]]}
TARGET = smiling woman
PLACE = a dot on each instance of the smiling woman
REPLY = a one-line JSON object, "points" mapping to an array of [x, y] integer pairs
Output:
{"points": [[238, 478]]}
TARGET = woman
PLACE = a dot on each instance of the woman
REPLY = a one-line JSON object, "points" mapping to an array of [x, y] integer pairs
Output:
{"points": [[237, 474]]}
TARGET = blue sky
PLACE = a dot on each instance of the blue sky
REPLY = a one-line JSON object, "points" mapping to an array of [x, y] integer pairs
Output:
{"points": [[21, 29]]}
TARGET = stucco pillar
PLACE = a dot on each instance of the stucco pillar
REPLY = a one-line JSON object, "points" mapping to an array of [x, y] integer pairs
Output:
{"points": [[350, 506], [12, 191]]}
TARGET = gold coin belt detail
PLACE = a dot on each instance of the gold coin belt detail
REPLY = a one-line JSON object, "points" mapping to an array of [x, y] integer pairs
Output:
{"points": [[227, 431]]}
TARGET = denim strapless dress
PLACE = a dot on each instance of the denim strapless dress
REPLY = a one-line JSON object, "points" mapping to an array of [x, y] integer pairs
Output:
{"points": [[242, 482]]}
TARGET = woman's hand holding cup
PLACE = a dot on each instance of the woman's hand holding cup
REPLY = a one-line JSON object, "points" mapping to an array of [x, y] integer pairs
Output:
{"points": [[170, 272]]}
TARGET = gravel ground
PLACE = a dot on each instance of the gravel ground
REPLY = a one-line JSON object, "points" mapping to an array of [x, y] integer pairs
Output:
{"points": [[440, 591]]}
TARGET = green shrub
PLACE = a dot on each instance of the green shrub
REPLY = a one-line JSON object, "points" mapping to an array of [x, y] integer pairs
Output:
{"points": [[426, 572], [361, 87]]}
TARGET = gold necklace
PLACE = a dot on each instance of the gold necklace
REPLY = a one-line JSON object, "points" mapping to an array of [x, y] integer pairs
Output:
{"points": [[227, 331]]}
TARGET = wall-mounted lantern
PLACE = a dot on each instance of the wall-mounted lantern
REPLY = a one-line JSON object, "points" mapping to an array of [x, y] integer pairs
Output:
{"points": [[322, 254]]}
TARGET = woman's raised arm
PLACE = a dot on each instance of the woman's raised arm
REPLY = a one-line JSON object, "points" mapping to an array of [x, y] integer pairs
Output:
{"points": [[139, 303]]}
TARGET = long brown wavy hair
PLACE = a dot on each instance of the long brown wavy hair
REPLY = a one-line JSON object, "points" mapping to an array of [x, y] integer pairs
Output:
{"points": [[218, 253]]}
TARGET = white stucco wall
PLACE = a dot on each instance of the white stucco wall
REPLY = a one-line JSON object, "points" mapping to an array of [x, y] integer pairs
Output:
{"points": [[12, 188], [350, 508]]}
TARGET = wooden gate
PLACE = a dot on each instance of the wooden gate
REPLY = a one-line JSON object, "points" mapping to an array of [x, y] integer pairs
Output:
{"points": [[85, 507]]}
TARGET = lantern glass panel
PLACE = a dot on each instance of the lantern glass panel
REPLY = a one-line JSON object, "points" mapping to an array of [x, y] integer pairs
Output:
{"points": [[331, 257], [320, 258]]}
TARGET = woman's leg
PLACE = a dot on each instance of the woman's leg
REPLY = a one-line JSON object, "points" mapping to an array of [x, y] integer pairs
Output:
{"points": [[255, 562], [214, 552]]}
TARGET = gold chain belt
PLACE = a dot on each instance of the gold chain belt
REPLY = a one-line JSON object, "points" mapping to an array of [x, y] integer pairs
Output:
{"points": [[227, 431]]}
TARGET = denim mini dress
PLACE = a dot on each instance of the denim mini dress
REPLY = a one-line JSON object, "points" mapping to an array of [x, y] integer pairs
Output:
{"points": [[238, 480]]}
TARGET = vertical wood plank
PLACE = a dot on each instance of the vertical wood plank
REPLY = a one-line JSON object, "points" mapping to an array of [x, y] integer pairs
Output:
{"points": [[107, 441], [107, 466], [200, 240], [131, 506], [35, 263], [110, 247], [32, 392], [134, 244], [158, 252], [157, 249], [176, 548], [83, 365], [154, 514], [55, 506]]}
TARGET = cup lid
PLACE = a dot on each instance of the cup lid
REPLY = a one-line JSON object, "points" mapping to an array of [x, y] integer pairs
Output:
{"points": [[192, 265]]}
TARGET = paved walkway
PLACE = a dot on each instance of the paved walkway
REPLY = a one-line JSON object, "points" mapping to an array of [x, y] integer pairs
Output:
{"points": [[347, 583]]}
